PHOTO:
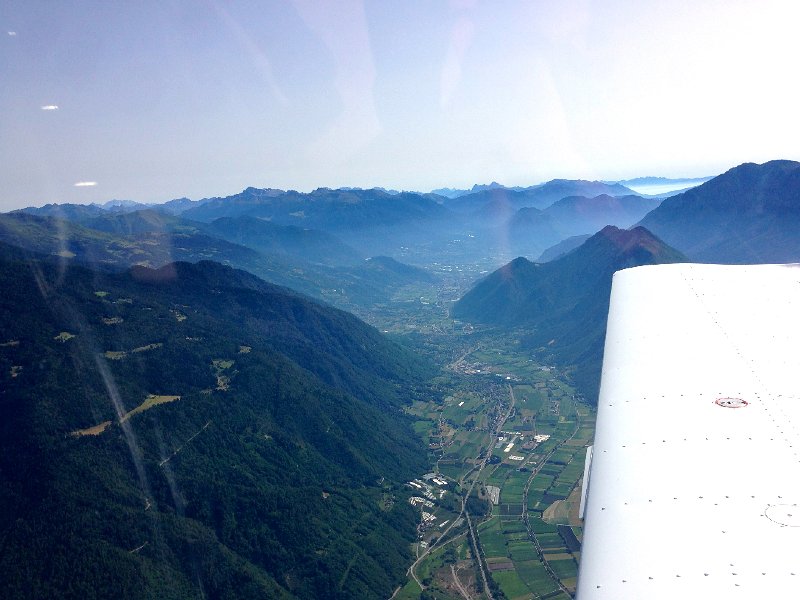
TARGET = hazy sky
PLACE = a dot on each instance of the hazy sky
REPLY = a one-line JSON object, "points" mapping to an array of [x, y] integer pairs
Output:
{"points": [[156, 100]]}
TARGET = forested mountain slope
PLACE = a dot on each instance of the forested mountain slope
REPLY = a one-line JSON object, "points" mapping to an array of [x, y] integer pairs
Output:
{"points": [[195, 432], [750, 214]]}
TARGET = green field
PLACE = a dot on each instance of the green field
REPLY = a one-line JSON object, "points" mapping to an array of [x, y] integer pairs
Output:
{"points": [[511, 584]]}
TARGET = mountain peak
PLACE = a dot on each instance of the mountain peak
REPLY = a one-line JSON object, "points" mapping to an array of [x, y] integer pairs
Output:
{"points": [[492, 186], [625, 238], [637, 244]]}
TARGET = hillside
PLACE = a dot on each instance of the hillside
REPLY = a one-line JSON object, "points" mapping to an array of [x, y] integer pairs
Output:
{"points": [[154, 239], [194, 431], [560, 249], [750, 214], [577, 215], [309, 245], [563, 304]]}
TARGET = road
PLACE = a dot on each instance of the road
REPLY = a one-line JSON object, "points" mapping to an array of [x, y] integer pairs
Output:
{"points": [[458, 585]]}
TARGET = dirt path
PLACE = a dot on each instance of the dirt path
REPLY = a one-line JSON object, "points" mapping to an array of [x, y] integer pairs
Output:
{"points": [[457, 582]]}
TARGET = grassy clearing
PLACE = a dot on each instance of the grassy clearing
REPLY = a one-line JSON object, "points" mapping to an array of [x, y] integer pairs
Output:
{"points": [[452, 470], [96, 430], [148, 347], [151, 401], [410, 591], [220, 365], [423, 428]]}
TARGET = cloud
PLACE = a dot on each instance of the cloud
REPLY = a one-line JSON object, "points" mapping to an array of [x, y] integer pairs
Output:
{"points": [[85, 184], [50, 107], [12, 33]]}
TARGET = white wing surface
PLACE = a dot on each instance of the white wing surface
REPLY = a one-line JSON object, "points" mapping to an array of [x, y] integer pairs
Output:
{"points": [[694, 486]]}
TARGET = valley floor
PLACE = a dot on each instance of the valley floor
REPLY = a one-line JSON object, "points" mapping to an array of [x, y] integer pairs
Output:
{"points": [[507, 441]]}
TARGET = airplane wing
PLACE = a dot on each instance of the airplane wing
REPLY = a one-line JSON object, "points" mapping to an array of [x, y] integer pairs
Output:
{"points": [[694, 484]]}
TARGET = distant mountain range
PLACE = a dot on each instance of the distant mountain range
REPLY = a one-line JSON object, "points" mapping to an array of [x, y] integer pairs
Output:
{"points": [[324, 208], [338, 227], [563, 304], [540, 196], [452, 193]]}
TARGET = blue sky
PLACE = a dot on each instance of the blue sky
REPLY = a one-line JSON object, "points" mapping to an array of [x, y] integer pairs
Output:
{"points": [[158, 100]]}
